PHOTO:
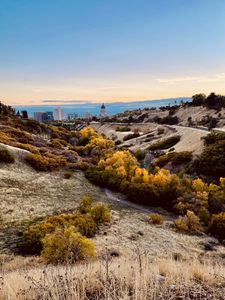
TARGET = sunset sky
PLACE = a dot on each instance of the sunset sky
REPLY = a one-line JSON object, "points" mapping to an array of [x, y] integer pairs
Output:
{"points": [[110, 50]]}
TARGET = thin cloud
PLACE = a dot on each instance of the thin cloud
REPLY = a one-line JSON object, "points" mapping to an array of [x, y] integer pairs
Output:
{"points": [[67, 101], [213, 78], [109, 88]]}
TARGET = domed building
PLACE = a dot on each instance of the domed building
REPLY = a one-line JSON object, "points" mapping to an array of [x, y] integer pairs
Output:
{"points": [[103, 112]]}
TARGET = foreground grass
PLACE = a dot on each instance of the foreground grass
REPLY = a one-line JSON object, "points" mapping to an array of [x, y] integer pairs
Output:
{"points": [[116, 278]]}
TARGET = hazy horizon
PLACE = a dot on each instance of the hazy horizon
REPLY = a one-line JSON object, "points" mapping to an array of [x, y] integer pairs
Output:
{"points": [[94, 108], [110, 51]]}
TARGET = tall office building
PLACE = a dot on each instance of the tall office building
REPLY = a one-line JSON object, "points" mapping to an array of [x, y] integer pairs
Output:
{"points": [[58, 114], [47, 116]]}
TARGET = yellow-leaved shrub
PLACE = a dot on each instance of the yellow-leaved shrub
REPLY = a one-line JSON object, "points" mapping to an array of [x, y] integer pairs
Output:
{"points": [[66, 246]]}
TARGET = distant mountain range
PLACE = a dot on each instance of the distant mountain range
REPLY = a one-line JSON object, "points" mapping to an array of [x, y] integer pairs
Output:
{"points": [[94, 108]]}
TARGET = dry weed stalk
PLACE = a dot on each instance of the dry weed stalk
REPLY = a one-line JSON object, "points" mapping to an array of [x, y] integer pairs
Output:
{"points": [[110, 278]]}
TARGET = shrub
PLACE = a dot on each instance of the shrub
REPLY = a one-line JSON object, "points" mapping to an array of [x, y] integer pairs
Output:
{"points": [[58, 143], [213, 138], [5, 138], [68, 175], [170, 120], [166, 143], [140, 155], [161, 161], [83, 141], [181, 224], [32, 237], [100, 213], [217, 225], [123, 128], [6, 156], [86, 221], [180, 157], [70, 155], [174, 157], [117, 142], [160, 130], [28, 147], [209, 121], [66, 246], [85, 205], [156, 218], [45, 163], [131, 136], [190, 222], [212, 159], [82, 165]]}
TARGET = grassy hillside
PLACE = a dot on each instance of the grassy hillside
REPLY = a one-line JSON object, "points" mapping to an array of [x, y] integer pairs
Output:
{"points": [[165, 214]]}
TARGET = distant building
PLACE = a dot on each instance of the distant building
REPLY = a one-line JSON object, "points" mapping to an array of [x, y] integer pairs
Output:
{"points": [[43, 116], [38, 116], [88, 116], [73, 116], [103, 112], [24, 114], [58, 114], [47, 116], [18, 114]]}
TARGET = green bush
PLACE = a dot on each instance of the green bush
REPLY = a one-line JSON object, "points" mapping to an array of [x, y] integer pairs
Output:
{"points": [[66, 246], [140, 155], [161, 161], [6, 156], [217, 225], [131, 136], [213, 138], [212, 159], [117, 142], [180, 157], [170, 120], [123, 128], [166, 143]]}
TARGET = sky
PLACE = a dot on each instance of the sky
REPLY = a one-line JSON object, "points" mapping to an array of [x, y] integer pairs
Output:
{"points": [[110, 50]]}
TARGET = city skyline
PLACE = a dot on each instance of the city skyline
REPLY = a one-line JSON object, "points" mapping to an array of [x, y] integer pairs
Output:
{"points": [[108, 51]]}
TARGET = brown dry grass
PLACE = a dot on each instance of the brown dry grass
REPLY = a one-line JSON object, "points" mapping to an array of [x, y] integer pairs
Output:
{"points": [[115, 279]]}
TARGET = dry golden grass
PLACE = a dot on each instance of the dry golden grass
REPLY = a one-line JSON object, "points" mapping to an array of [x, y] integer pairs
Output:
{"points": [[117, 278]]}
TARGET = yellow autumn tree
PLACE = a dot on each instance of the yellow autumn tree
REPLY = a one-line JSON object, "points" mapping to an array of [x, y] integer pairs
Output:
{"points": [[88, 132], [122, 162]]}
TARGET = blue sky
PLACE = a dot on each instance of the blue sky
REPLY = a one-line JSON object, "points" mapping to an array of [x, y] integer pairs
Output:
{"points": [[110, 50]]}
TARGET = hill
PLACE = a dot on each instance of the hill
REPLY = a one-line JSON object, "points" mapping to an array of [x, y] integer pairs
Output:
{"points": [[65, 193]]}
